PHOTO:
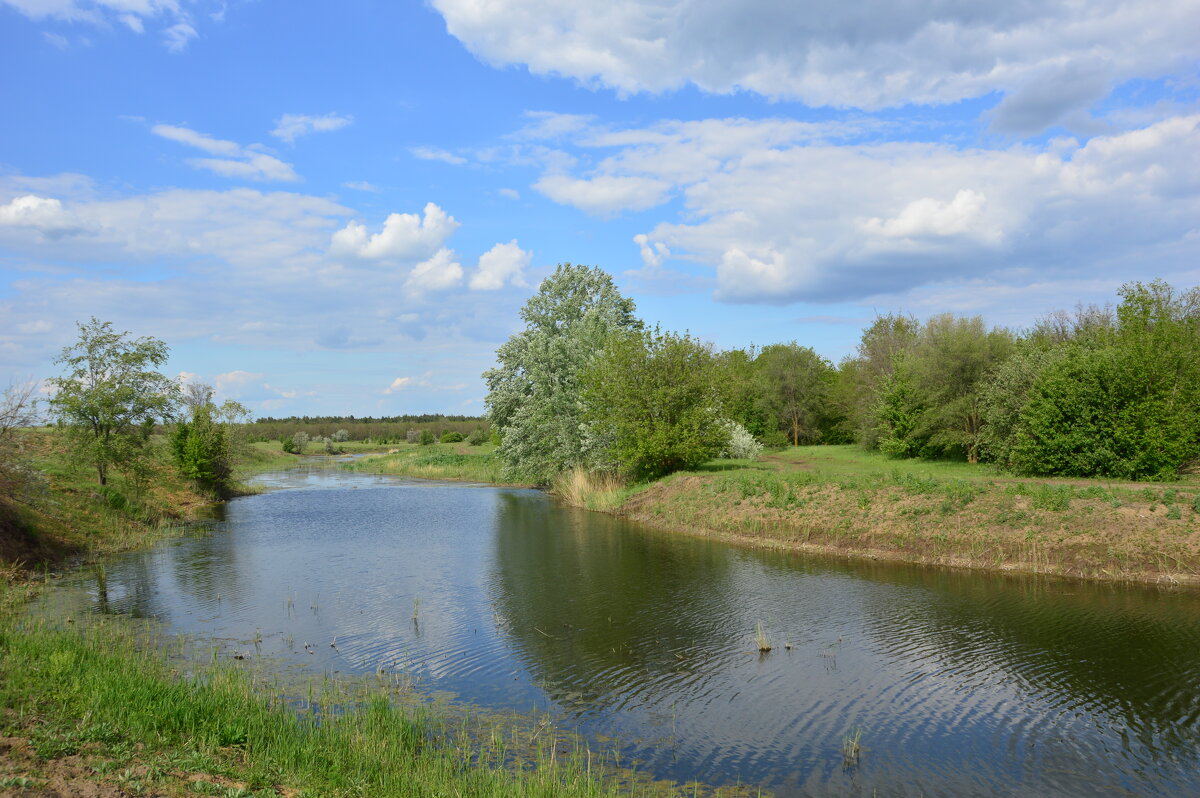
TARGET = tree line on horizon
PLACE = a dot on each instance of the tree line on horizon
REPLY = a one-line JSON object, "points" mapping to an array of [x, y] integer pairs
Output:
{"points": [[1104, 392]]}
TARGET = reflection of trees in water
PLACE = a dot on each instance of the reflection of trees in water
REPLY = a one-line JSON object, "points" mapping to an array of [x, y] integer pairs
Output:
{"points": [[125, 587], [208, 569], [594, 610], [1131, 654]]}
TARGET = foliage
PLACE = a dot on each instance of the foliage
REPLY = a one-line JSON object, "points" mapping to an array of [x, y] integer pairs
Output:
{"points": [[861, 379], [742, 445], [478, 437], [341, 436], [931, 404], [534, 392], [1122, 403], [793, 389], [18, 478], [652, 398], [111, 396], [299, 442], [425, 438], [203, 445], [452, 437]]}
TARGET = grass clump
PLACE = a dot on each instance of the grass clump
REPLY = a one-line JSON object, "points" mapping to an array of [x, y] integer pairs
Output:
{"points": [[761, 640]]}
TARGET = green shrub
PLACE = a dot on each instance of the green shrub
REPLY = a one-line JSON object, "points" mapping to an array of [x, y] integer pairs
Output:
{"points": [[477, 437], [426, 438], [452, 437]]}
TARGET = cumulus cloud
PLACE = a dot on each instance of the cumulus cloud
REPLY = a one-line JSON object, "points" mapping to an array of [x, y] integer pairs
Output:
{"points": [[869, 55], [503, 263], [43, 214], [248, 163], [405, 236], [781, 214], [290, 127], [231, 383], [436, 274]]}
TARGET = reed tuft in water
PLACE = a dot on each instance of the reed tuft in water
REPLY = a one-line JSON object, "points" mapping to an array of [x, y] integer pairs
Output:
{"points": [[761, 639]]}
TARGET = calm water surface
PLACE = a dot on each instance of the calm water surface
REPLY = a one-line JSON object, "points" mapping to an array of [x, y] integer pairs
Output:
{"points": [[961, 683]]}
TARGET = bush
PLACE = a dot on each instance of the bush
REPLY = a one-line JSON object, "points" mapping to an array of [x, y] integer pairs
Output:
{"points": [[413, 436], [477, 437], [299, 442], [425, 438], [742, 445], [341, 436], [452, 437]]}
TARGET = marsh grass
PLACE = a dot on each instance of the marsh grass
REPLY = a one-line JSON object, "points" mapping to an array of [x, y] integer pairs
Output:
{"points": [[851, 749], [761, 639], [593, 491], [108, 692]]}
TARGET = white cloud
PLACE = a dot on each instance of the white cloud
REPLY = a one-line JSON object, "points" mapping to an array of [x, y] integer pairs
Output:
{"points": [[653, 253], [436, 274], [437, 154], [231, 383], [405, 236], [361, 185], [177, 37], [200, 141], [509, 193], [870, 55], [177, 30], [56, 40], [780, 213], [503, 263], [44, 214], [290, 127], [241, 162], [603, 195], [398, 384], [257, 166], [929, 217]]}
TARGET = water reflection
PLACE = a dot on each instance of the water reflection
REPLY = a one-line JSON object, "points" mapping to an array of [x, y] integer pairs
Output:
{"points": [[961, 684]]}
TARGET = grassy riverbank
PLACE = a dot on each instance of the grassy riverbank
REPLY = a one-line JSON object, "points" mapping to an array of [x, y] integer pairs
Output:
{"points": [[843, 500], [847, 501], [453, 461], [72, 516], [89, 709]]}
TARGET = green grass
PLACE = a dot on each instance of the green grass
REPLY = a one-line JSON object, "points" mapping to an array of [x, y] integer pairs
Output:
{"points": [[96, 690], [453, 461]]}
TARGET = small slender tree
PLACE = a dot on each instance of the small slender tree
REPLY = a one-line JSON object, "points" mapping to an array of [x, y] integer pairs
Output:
{"points": [[111, 396]]}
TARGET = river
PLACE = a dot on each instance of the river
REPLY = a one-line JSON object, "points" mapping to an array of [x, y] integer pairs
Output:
{"points": [[958, 683]]}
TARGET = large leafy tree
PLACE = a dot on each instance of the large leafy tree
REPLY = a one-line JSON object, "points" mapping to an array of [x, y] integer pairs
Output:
{"points": [[534, 396], [794, 386], [654, 397], [111, 395]]}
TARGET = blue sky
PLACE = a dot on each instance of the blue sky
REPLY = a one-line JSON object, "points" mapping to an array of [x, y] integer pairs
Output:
{"points": [[340, 208]]}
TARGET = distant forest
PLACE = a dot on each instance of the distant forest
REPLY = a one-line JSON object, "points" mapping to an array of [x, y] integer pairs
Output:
{"points": [[383, 430]]}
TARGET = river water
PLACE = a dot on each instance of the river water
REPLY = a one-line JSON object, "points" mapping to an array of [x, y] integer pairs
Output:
{"points": [[958, 683]]}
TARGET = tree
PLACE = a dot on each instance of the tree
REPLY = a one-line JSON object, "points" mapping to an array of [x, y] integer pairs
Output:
{"points": [[18, 409], [534, 395], [204, 446], [653, 398], [794, 386], [861, 379], [299, 442], [111, 396]]}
